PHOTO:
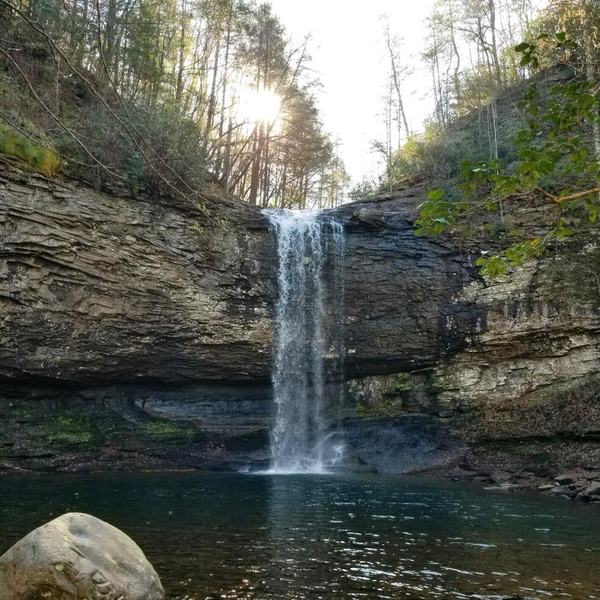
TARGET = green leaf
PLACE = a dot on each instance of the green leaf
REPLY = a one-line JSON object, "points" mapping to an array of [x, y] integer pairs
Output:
{"points": [[561, 36], [525, 60], [435, 195], [564, 232], [491, 267], [523, 47]]}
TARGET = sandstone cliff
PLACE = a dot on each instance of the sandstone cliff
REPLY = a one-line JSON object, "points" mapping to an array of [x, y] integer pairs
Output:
{"points": [[135, 334]]}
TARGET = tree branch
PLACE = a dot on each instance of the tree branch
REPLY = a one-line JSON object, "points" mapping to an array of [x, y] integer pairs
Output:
{"points": [[129, 130], [55, 118]]}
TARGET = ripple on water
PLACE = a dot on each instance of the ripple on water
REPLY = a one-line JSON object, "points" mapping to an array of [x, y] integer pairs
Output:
{"points": [[292, 538]]}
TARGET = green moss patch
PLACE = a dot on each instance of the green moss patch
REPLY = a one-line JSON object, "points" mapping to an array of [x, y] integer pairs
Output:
{"points": [[42, 159], [72, 429], [162, 430]]}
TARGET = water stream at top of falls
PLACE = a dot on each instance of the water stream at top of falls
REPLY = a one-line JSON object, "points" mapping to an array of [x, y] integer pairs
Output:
{"points": [[308, 354]]}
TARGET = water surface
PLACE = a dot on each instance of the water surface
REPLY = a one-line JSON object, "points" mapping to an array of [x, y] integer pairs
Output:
{"points": [[299, 537]]}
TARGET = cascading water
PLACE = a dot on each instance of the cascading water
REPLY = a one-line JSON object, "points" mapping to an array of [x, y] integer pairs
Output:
{"points": [[302, 440]]}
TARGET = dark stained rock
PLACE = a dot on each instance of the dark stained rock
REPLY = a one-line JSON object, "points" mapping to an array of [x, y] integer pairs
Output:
{"points": [[410, 444], [566, 479], [402, 309]]}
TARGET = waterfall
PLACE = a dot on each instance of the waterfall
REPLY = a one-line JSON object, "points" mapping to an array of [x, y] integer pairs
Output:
{"points": [[308, 356]]}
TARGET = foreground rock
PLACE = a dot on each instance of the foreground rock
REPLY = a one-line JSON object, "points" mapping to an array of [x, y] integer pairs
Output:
{"points": [[77, 557]]}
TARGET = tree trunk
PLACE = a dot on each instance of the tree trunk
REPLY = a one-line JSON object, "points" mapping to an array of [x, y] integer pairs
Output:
{"points": [[256, 163], [396, 80], [181, 66]]}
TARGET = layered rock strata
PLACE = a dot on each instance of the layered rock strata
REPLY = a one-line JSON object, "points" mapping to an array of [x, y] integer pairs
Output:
{"points": [[134, 332]]}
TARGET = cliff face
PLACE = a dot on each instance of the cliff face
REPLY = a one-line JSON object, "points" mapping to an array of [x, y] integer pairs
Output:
{"points": [[96, 289], [402, 312], [99, 290], [515, 379], [133, 334]]}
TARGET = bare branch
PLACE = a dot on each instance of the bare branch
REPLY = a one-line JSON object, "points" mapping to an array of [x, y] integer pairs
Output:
{"points": [[70, 132]]}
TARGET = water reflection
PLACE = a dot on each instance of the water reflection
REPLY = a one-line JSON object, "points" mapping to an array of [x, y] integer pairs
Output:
{"points": [[302, 537]]}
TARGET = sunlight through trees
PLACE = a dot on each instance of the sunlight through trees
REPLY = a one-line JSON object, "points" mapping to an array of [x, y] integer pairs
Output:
{"points": [[185, 92]]}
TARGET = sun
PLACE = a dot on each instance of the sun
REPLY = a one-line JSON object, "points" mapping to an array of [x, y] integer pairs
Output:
{"points": [[261, 106]]}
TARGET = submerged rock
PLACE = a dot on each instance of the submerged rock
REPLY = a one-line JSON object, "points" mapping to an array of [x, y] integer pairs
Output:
{"points": [[504, 487], [77, 557]]}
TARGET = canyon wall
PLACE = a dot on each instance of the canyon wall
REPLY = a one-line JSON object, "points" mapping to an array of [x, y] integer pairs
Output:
{"points": [[137, 334]]}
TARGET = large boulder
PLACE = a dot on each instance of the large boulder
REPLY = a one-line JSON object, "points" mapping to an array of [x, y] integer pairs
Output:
{"points": [[77, 557]]}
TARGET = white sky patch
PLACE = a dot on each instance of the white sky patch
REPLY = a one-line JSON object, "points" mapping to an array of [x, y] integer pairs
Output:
{"points": [[349, 56]]}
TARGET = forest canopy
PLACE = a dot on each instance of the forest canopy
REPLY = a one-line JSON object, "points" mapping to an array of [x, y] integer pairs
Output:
{"points": [[200, 98], [167, 96]]}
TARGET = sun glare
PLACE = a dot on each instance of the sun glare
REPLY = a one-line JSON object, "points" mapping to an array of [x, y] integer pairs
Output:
{"points": [[261, 106]]}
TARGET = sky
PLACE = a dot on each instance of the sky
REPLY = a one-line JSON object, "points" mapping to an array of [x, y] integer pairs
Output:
{"points": [[349, 56]]}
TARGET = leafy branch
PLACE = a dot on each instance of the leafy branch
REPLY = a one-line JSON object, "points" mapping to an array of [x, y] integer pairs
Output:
{"points": [[556, 165]]}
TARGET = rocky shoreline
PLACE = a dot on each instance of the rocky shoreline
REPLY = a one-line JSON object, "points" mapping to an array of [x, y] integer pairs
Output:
{"points": [[582, 486]]}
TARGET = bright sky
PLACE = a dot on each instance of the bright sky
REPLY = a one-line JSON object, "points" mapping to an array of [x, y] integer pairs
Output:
{"points": [[349, 55]]}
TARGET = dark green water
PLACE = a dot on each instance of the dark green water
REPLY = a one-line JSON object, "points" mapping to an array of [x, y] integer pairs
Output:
{"points": [[295, 537]]}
